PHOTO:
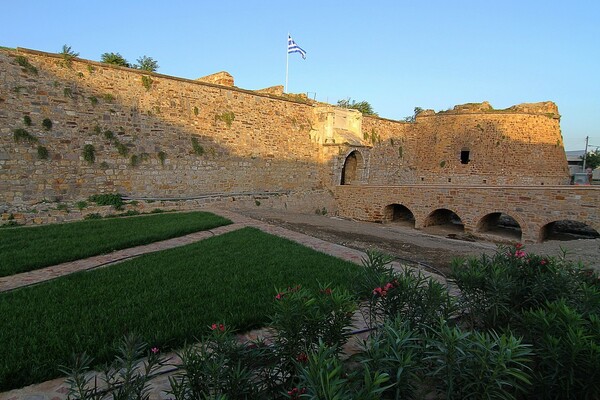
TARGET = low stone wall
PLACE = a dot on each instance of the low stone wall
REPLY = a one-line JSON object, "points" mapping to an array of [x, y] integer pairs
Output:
{"points": [[532, 207], [47, 212]]}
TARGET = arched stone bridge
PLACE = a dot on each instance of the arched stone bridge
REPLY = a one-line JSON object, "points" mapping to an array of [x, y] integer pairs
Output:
{"points": [[535, 209]]}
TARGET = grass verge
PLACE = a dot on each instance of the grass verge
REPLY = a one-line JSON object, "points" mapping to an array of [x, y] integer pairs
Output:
{"points": [[168, 298], [29, 248]]}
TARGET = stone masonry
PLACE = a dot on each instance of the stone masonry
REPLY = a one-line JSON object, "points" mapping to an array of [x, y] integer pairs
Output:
{"points": [[73, 128]]}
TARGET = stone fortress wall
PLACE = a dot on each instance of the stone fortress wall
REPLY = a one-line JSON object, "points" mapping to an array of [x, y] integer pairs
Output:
{"points": [[156, 136]]}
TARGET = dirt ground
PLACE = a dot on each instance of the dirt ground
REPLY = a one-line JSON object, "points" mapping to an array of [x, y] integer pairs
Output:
{"points": [[436, 246]]}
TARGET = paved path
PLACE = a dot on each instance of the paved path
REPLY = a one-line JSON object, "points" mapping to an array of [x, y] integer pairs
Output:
{"points": [[56, 389]]}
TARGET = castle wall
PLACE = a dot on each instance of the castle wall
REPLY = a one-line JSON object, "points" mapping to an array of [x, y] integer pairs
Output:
{"points": [[157, 136], [505, 148], [245, 142]]}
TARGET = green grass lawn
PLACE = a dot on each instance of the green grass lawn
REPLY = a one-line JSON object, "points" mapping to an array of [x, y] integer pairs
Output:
{"points": [[28, 248], [168, 297]]}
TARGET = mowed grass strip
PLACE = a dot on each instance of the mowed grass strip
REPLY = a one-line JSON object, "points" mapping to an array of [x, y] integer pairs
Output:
{"points": [[168, 298], [29, 248]]}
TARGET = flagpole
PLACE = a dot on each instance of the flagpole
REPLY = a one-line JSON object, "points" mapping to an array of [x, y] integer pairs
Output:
{"points": [[287, 62]]}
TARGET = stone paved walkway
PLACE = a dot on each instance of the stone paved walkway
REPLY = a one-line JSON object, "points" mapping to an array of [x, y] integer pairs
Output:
{"points": [[56, 389]]}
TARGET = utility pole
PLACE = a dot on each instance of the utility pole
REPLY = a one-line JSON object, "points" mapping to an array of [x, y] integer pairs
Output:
{"points": [[585, 152]]}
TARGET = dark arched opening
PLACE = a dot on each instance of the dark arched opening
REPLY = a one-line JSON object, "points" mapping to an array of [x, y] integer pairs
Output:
{"points": [[400, 214], [568, 230], [444, 221], [352, 165], [500, 224]]}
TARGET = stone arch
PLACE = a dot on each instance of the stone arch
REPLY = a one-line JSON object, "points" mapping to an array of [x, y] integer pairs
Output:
{"points": [[444, 217], [567, 229], [398, 213], [353, 167], [500, 224]]}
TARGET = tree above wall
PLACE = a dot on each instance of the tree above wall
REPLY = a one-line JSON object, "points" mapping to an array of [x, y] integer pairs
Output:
{"points": [[362, 106]]}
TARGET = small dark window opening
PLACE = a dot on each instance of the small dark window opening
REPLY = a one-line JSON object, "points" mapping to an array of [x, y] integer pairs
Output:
{"points": [[464, 157]]}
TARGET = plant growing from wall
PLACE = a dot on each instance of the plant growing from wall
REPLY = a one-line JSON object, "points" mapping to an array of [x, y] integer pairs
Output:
{"points": [[375, 137], [89, 153], [27, 120], [109, 98], [68, 55], [134, 161], [196, 111], [228, 117], [93, 100], [413, 118], [198, 149], [21, 135], [91, 69], [162, 156], [109, 135], [362, 106], [121, 148], [442, 163], [42, 152], [146, 82], [24, 63], [47, 124], [114, 59], [400, 151], [68, 92]]}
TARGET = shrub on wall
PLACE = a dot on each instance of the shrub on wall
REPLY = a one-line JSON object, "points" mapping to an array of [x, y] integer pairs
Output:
{"points": [[162, 156], [121, 148], [228, 117], [24, 62], [198, 149], [68, 55], [27, 120], [47, 124], [146, 82], [89, 153], [134, 161], [42, 153], [21, 135]]}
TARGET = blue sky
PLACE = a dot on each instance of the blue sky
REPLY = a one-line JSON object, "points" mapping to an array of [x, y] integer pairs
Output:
{"points": [[395, 54]]}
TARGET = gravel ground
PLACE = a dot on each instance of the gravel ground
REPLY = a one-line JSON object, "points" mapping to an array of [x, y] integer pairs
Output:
{"points": [[436, 246]]}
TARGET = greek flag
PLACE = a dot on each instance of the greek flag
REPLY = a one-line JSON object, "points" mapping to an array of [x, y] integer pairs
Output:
{"points": [[294, 48]]}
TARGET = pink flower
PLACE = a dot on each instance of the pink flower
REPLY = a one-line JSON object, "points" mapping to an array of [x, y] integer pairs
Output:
{"points": [[220, 327], [295, 393], [520, 254], [518, 246], [543, 262], [154, 350], [279, 296]]}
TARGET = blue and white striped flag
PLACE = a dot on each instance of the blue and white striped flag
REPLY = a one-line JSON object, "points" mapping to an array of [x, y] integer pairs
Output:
{"points": [[294, 48]]}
